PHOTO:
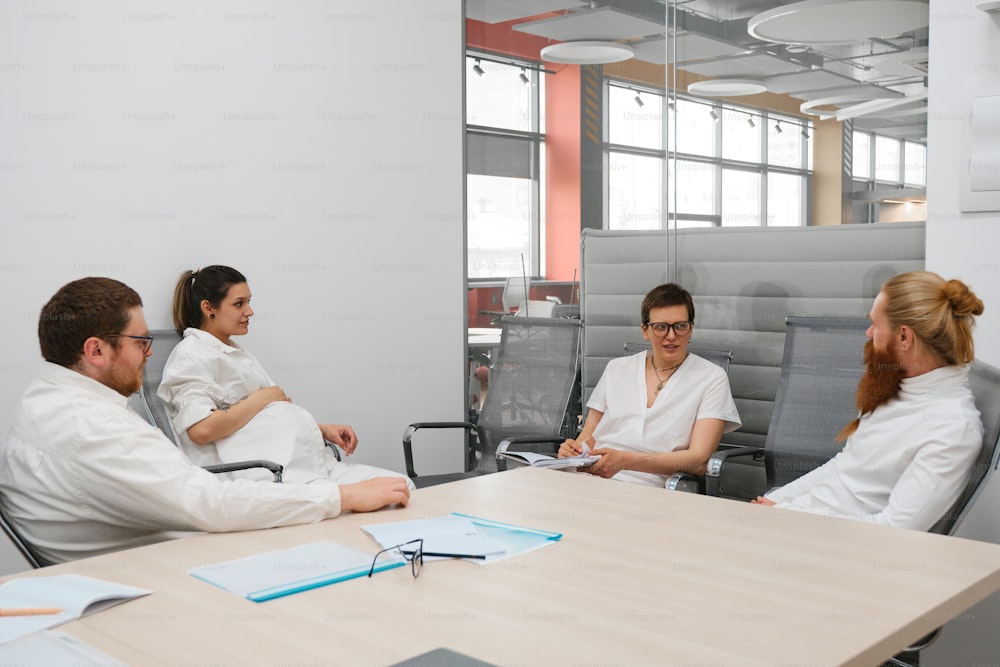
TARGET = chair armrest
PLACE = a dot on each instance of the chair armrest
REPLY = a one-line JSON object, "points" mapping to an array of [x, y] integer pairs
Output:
{"points": [[413, 428], [276, 468], [685, 482], [521, 439], [333, 448], [713, 474]]}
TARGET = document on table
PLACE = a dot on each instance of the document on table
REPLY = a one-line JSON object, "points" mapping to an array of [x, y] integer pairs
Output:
{"points": [[75, 594], [54, 647], [277, 573], [462, 534]]}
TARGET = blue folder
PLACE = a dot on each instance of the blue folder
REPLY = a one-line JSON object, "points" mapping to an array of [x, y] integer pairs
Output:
{"points": [[278, 573]]}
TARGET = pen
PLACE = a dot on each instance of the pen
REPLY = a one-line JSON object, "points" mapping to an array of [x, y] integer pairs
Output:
{"points": [[29, 612], [443, 555]]}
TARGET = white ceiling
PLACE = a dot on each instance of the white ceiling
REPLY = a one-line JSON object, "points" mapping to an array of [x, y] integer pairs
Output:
{"points": [[712, 40]]}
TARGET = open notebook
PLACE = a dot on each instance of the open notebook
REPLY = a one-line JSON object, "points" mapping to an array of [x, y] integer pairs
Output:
{"points": [[75, 594]]}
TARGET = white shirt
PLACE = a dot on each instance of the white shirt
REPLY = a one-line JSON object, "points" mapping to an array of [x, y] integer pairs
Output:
{"points": [[698, 389], [83, 475], [204, 374], [906, 464]]}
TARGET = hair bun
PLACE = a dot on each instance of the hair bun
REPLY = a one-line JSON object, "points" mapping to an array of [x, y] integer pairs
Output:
{"points": [[963, 300]]}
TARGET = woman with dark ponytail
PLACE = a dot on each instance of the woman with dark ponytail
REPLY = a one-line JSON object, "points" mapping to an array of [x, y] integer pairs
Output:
{"points": [[223, 404]]}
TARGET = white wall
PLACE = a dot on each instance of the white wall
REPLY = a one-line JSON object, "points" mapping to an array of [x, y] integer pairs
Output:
{"points": [[964, 45], [315, 146]]}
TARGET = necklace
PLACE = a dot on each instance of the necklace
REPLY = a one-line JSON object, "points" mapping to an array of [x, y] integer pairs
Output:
{"points": [[656, 371]]}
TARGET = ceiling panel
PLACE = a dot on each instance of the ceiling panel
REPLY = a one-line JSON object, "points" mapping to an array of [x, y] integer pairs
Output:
{"points": [[498, 11], [689, 46], [601, 23], [858, 91], [756, 66], [808, 80]]}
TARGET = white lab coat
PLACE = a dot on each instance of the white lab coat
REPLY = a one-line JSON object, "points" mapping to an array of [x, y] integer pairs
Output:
{"points": [[906, 464], [83, 475], [698, 389]]}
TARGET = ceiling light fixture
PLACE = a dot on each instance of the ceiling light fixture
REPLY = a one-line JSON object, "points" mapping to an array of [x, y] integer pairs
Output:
{"points": [[477, 68], [818, 22], [805, 133], [777, 127], [638, 100], [524, 77], [726, 87], [587, 52], [750, 122], [715, 116]]}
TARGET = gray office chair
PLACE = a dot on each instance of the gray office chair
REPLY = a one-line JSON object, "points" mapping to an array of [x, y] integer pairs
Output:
{"points": [[984, 381], [822, 364], [152, 409], [683, 481], [21, 556], [532, 382]]}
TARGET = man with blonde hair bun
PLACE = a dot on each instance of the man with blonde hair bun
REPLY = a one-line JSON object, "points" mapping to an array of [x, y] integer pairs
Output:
{"points": [[910, 451]]}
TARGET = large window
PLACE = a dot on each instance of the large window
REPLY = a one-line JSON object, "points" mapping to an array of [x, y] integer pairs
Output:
{"points": [[504, 157], [733, 165]]}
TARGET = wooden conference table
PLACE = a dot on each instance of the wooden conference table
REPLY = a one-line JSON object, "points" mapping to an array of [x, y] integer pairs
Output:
{"points": [[641, 576]]}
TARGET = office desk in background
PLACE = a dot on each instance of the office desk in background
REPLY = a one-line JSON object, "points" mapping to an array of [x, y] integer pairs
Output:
{"points": [[642, 576]]}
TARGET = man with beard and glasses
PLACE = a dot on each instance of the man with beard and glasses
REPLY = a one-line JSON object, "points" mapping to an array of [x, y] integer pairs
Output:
{"points": [[910, 451], [82, 475]]}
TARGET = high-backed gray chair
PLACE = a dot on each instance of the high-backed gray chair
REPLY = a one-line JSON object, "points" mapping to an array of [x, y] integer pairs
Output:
{"points": [[18, 555], [984, 381], [822, 363], [532, 381], [152, 409]]}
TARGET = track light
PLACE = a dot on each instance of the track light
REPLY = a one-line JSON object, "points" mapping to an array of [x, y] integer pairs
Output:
{"points": [[715, 116], [805, 133], [477, 69], [750, 122], [638, 100], [524, 77], [670, 104], [777, 127]]}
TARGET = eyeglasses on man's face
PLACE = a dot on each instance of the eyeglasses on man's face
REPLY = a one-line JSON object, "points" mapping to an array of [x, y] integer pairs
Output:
{"points": [[660, 329], [147, 341], [412, 551]]}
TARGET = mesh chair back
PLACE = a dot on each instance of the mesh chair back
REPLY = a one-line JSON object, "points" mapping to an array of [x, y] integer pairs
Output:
{"points": [[822, 364], [31, 559], [720, 358], [569, 310], [984, 381], [164, 341], [531, 382]]}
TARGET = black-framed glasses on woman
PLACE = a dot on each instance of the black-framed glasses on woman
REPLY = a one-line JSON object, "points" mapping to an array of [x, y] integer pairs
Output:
{"points": [[414, 555], [148, 340], [661, 328]]}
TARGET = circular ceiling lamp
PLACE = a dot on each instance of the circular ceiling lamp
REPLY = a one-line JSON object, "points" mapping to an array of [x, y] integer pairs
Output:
{"points": [[589, 52], [810, 106], [838, 21], [726, 87]]}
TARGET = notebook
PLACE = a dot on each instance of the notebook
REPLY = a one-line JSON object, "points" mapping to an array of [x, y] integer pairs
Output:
{"points": [[75, 594], [278, 573]]}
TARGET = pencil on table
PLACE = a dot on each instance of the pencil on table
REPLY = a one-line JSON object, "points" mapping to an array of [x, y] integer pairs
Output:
{"points": [[30, 612]]}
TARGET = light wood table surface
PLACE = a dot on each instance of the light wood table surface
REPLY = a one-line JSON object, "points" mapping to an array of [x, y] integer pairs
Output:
{"points": [[642, 576]]}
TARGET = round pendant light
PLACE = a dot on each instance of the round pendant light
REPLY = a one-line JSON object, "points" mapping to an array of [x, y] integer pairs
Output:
{"points": [[726, 87], [589, 52]]}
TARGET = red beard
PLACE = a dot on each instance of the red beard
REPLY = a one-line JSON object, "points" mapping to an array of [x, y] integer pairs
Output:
{"points": [[880, 383]]}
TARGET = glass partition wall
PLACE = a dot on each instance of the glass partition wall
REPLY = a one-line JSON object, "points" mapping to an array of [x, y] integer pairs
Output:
{"points": [[718, 116]]}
